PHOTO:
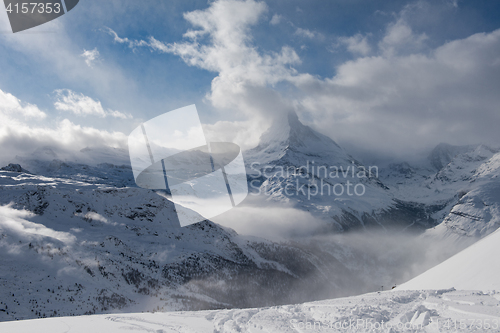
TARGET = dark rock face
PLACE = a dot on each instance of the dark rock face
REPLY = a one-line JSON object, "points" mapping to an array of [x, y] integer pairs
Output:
{"points": [[13, 168]]}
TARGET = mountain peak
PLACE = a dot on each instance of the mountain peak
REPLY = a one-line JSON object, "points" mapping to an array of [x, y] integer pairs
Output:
{"points": [[288, 135], [45, 153], [443, 153], [293, 119]]}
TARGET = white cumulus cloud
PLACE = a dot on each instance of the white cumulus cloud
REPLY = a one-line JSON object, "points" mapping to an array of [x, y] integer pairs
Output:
{"points": [[398, 98], [79, 104], [276, 19], [357, 44], [11, 105], [401, 37], [90, 56], [400, 103], [21, 135], [306, 33], [243, 72]]}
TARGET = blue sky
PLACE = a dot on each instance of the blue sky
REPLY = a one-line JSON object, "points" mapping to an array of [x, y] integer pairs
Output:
{"points": [[392, 77]]}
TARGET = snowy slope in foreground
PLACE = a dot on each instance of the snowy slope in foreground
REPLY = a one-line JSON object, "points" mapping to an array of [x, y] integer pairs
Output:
{"points": [[475, 268], [391, 311]]}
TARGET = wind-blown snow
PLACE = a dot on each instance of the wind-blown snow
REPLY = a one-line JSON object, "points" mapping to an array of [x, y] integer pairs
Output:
{"points": [[475, 268]]}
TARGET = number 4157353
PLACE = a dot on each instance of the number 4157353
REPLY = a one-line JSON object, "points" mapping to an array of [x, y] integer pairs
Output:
{"points": [[34, 8], [464, 324]]}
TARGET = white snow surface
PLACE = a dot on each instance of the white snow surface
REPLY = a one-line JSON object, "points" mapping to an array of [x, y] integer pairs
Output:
{"points": [[389, 311], [475, 268]]}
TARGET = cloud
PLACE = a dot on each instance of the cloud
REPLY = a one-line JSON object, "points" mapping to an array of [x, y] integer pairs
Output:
{"points": [[229, 51], [357, 44], [412, 101], [10, 105], [80, 104], [59, 55], [93, 216], [90, 56], [18, 134], [273, 222], [131, 43], [367, 249], [276, 19], [305, 33], [397, 99], [243, 72], [245, 133], [400, 37], [16, 221], [16, 137]]}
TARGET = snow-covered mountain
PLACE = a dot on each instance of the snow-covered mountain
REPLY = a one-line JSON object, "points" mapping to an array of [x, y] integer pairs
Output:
{"points": [[454, 192], [459, 295], [467, 169], [296, 165], [289, 142], [70, 247], [444, 153], [98, 165], [78, 237], [472, 178], [475, 175], [466, 185]]}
